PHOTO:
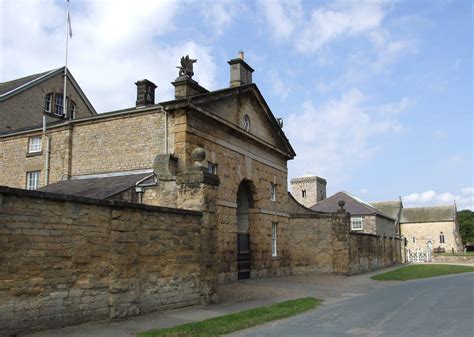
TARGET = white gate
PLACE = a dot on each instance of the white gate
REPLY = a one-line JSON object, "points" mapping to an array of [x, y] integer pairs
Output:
{"points": [[419, 255]]}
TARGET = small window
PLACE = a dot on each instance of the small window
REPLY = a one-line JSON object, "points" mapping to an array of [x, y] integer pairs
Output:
{"points": [[72, 110], [34, 144], [246, 123], [303, 193], [58, 105], [47, 102], [273, 192], [357, 223], [274, 239], [441, 238], [32, 180], [414, 240], [212, 168]]}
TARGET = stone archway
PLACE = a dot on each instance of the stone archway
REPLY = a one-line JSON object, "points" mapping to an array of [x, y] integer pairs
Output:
{"points": [[244, 203]]}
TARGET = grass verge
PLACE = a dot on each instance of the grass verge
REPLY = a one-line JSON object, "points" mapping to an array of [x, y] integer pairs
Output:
{"points": [[413, 272], [236, 321]]}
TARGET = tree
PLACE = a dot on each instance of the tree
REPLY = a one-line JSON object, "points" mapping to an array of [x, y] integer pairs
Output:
{"points": [[466, 225]]}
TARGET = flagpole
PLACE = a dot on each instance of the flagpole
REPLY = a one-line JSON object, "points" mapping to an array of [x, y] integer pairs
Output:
{"points": [[65, 112]]}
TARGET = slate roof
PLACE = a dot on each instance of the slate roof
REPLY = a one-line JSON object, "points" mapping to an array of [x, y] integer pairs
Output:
{"points": [[353, 205], [429, 214], [6, 87], [390, 208], [98, 188]]}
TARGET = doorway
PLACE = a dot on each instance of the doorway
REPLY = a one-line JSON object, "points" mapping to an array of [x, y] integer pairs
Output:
{"points": [[244, 203]]}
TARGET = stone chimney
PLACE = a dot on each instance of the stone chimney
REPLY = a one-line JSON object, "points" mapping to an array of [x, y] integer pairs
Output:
{"points": [[240, 71], [145, 93]]}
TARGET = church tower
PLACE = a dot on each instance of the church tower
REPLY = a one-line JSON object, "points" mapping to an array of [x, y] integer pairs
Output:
{"points": [[308, 190]]}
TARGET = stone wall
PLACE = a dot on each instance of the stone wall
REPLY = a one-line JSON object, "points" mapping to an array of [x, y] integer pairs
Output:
{"points": [[464, 259], [369, 252], [418, 234], [67, 260]]}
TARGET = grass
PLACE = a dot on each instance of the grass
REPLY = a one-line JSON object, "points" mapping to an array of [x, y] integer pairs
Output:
{"points": [[413, 272], [236, 321]]}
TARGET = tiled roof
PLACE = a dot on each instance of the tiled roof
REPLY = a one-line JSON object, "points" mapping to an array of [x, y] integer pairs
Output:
{"points": [[6, 87], [390, 208], [353, 205], [98, 188], [428, 214]]}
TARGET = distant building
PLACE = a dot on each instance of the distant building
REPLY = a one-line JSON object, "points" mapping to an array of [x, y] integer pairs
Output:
{"points": [[365, 218], [434, 228], [308, 190]]}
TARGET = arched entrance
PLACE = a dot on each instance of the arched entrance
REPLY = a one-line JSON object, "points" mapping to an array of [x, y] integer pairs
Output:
{"points": [[244, 203]]}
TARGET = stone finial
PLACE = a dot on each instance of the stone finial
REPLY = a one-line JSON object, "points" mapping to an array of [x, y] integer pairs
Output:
{"points": [[198, 155], [341, 204]]}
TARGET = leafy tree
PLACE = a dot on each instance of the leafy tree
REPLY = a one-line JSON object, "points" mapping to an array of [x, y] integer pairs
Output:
{"points": [[466, 225]]}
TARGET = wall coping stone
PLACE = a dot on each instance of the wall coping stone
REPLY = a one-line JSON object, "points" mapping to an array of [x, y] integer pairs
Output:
{"points": [[111, 203]]}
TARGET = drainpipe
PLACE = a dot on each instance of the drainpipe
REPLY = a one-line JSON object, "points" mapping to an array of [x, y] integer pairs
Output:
{"points": [[166, 131], [46, 163]]}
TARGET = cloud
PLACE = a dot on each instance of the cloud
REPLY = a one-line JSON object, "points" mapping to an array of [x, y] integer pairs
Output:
{"points": [[327, 24], [464, 199], [220, 14], [282, 16], [279, 88], [115, 43], [334, 139]]}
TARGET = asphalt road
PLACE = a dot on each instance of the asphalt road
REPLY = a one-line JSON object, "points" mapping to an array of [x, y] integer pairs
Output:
{"points": [[441, 306]]}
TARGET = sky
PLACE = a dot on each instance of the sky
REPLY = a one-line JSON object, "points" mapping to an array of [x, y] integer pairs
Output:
{"points": [[376, 96]]}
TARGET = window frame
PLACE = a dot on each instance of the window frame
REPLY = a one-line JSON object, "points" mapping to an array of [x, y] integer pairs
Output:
{"points": [[353, 221], [72, 109], [274, 239], [48, 99], [303, 193], [34, 147], [211, 168], [33, 180], [58, 104], [442, 238], [273, 191]]}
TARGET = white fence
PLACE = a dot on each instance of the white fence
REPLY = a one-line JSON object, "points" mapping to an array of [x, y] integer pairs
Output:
{"points": [[419, 255]]}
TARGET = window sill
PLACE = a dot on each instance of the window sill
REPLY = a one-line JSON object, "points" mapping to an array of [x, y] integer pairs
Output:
{"points": [[276, 258], [34, 154]]}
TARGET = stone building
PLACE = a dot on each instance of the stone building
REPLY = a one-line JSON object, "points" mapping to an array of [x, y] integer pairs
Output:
{"points": [[206, 171], [308, 190], [431, 228], [365, 218]]}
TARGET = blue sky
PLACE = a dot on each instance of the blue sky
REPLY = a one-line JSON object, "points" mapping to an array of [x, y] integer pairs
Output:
{"points": [[376, 96]]}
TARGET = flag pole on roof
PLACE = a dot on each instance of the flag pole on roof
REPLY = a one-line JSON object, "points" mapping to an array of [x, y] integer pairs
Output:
{"points": [[68, 35]]}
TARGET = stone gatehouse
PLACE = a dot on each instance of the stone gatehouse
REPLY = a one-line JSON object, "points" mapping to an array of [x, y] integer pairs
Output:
{"points": [[220, 154]]}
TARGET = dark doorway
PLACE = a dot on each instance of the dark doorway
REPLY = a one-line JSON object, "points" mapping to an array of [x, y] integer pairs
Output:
{"points": [[244, 201]]}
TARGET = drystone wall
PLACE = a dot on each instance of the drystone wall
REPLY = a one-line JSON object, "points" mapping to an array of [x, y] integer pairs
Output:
{"points": [[66, 260], [369, 252]]}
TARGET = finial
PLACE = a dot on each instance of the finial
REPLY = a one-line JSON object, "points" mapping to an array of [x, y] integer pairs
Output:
{"points": [[186, 68]]}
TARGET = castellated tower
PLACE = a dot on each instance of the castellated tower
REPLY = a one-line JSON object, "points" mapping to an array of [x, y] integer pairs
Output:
{"points": [[308, 190]]}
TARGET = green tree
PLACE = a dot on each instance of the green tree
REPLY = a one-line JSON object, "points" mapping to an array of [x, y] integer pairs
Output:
{"points": [[466, 225]]}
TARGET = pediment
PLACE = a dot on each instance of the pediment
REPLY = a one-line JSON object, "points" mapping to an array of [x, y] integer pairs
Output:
{"points": [[246, 109]]}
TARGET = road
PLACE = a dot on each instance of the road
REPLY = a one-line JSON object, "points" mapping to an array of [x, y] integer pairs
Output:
{"points": [[435, 307]]}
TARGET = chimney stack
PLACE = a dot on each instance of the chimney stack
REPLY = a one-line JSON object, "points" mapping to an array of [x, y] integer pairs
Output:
{"points": [[240, 71], [145, 93]]}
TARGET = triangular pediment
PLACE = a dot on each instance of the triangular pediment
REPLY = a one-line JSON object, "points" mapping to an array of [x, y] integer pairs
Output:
{"points": [[242, 106]]}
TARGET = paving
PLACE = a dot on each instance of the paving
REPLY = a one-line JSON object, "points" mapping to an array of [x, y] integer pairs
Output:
{"points": [[434, 307], [233, 297]]}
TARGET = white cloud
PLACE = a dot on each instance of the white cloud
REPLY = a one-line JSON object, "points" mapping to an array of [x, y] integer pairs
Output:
{"points": [[464, 200], [220, 14], [282, 16], [341, 19], [115, 43], [280, 89], [334, 139]]}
